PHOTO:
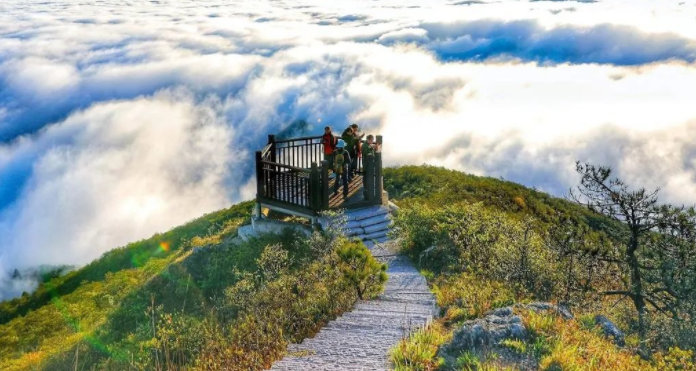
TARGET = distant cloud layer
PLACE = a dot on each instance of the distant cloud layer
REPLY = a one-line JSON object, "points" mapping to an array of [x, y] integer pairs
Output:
{"points": [[119, 119], [527, 40]]}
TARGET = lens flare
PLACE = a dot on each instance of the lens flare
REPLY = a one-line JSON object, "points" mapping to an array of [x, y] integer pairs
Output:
{"points": [[164, 246]]}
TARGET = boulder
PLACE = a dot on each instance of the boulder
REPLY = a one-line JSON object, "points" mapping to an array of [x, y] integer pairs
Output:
{"points": [[490, 330], [498, 325]]}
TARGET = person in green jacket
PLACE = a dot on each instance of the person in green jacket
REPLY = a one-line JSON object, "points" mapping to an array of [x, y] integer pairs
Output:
{"points": [[368, 148], [341, 159], [352, 139]]}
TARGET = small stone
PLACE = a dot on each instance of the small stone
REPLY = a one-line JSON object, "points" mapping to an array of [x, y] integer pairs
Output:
{"points": [[541, 306], [610, 330], [565, 312]]}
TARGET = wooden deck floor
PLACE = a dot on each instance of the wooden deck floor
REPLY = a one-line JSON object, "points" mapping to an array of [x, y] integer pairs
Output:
{"points": [[355, 194]]}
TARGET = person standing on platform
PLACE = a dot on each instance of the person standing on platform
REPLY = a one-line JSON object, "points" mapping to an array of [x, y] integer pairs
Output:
{"points": [[329, 141], [368, 148], [352, 139], [341, 164]]}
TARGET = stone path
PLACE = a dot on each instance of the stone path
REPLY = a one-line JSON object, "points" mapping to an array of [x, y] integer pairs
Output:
{"points": [[361, 339]]}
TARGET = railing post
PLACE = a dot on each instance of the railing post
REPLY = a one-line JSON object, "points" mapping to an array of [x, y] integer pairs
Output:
{"points": [[272, 150], [379, 186], [369, 174], [324, 185], [314, 188], [259, 176]]}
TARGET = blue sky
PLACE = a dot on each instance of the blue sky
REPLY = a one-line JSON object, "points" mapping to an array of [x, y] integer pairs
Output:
{"points": [[119, 118]]}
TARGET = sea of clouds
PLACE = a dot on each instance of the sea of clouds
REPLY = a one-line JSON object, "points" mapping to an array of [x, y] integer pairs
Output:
{"points": [[123, 118]]}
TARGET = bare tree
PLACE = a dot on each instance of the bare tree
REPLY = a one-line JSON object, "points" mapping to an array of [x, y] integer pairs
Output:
{"points": [[638, 209]]}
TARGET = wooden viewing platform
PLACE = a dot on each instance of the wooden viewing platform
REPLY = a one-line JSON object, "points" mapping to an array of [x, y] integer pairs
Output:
{"points": [[293, 178]]}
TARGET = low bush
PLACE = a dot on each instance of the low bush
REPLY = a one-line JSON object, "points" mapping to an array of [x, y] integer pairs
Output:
{"points": [[418, 351], [361, 270]]}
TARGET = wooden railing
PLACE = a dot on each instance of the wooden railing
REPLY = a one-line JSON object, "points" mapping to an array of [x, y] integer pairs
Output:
{"points": [[298, 152], [292, 174], [286, 183]]}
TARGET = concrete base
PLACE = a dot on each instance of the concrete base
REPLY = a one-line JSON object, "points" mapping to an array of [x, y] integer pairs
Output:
{"points": [[261, 226]]}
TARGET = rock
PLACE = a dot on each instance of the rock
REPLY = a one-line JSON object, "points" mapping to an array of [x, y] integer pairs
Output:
{"points": [[425, 254], [496, 320], [507, 311], [541, 306], [610, 330], [518, 331], [498, 325], [393, 209]]}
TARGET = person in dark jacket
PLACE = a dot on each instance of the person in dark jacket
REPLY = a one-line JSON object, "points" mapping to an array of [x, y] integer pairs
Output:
{"points": [[329, 141], [352, 139], [341, 164], [368, 148]]}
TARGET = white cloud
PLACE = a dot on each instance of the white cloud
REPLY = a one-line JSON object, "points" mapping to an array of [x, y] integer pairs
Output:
{"points": [[36, 79], [115, 173]]}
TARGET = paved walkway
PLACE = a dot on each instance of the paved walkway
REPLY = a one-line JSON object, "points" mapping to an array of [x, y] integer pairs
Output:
{"points": [[361, 339]]}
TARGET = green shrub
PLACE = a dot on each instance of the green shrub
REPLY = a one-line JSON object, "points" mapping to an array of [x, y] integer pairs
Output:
{"points": [[675, 359], [365, 274], [475, 239], [466, 296]]}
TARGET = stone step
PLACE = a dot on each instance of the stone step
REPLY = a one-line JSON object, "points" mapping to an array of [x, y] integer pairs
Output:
{"points": [[379, 236], [376, 219], [410, 300], [338, 336], [359, 327], [378, 227], [373, 221], [423, 311], [323, 363], [366, 213], [383, 225]]}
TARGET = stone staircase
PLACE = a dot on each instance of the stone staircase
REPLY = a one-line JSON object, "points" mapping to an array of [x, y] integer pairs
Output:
{"points": [[370, 224], [361, 339]]}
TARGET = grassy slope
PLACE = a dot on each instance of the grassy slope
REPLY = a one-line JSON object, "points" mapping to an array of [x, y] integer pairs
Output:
{"points": [[188, 298], [439, 186], [555, 344], [134, 255], [67, 309]]}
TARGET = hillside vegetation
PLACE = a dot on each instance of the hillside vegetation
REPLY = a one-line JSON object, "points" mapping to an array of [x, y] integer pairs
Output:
{"points": [[198, 298], [484, 243], [194, 298]]}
